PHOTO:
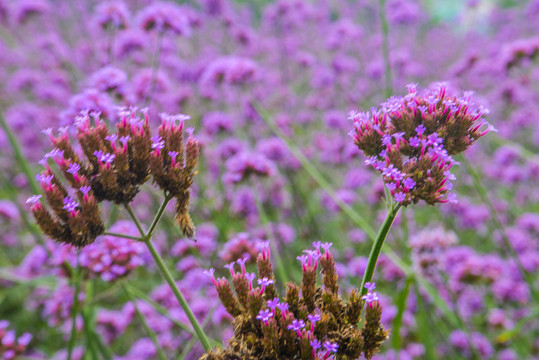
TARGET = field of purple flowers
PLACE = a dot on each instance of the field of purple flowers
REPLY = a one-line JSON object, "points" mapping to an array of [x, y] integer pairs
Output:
{"points": [[290, 179]]}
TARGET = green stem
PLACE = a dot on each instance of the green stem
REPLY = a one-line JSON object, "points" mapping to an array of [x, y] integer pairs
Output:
{"points": [[12, 192], [26, 169], [401, 307], [160, 309], [523, 152], [136, 220], [483, 194], [74, 311], [166, 273], [316, 175], [191, 343], [385, 47], [158, 216], [183, 303], [142, 319], [155, 69], [125, 236], [19, 157], [377, 246], [273, 244]]}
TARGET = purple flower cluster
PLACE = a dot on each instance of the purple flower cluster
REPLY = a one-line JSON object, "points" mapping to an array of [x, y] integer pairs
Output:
{"points": [[12, 346], [111, 258], [411, 141]]}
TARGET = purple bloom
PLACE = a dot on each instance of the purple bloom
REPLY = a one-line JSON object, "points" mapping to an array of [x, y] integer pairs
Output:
{"points": [[33, 199], [158, 142], [400, 196], [124, 140], [282, 306], [370, 286], [241, 262], [315, 344], [331, 347], [70, 204], [165, 17], [272, 304], [264, 281], [73, 168], [314, 317], [104, 157], [391, 186], [297, 325], [264, 316], [230, 267], [386, 139], [414, 141], [408, 183], [112, 138], [326, 246], [370, 297], [250, 277]]}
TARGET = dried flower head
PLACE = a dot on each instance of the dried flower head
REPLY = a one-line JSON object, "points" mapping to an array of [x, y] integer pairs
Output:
{"points": [[310, 322], [411, 140]]}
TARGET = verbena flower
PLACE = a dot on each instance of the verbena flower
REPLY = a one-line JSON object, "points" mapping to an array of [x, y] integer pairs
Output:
{"points": [[310, 322], [412, 139], [112, 167], [165, 17]]}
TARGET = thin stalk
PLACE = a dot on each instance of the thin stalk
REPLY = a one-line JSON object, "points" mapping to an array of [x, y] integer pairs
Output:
{"points": [[160, 309], [424, 332], [93, 342], [104, 350], [183, 303], [111, 33], [19, 157], [125, 236], [34, 229], [155, 69], [377, 246], [273, 242], [166, 273], [135, 220], [147, 329], [74, 311], [26, 169], [385, 47], [191, 343], [317, 176], [158, 216], [523, 152], [483, 194], [401, 306]]}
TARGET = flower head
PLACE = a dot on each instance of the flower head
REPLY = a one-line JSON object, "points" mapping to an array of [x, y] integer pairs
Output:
{"points": [[411, 140]]}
